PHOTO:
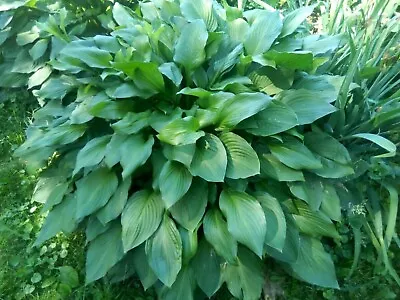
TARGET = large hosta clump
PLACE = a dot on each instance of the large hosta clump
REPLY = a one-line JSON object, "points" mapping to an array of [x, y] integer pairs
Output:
{"points": [[187, 144]]}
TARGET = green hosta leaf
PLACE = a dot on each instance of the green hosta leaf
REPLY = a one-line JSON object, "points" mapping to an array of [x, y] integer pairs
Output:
{"points": [[27, 37], [145, 75], [172, 72], [90, 55], [276, 118], [189, 244], [139, 40], [246, 219], [103, 253], [56, 88], [24, 63], [272, 81], [200, 77], [245, 280], [10, 79], [217, 234], [241, 107], [140, 218], [123, 15], [50, 191], [290, 249], [108, 109], [68, 64], [182, 288], [330, 205], [113, 150], [108, 43], [272, 167], [135, 151], [210, 160], [132, 123], [94, 228], [380, 141], [61, 218], [12, 4], [164, 252], [259, 40], [60, 135], [202, 9], [215, 42], [39, 77], [214, 102], [158, 161], [295, 155], [294, 19], [227, 57], [238, 29], [4, 34], [237, 184], [197, 92], [127, 90], [175, 180], [183, 154], [149, 11], [328, 84], [310, 191], [327, 146], [206, 117], [92, 154], [116, 204], [181, 132], [299, 60], [276, 221], [333, 169], [231, 80], [189, 210], [319, 44], [314, 223], [207, 269], [190, 52], [39, 49], [142, 267], [123, 269], [242, 159], [94, 191], [309, 106], [314, 265]]}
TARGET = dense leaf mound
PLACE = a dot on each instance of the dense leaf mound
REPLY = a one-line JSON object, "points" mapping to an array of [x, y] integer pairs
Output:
{"points": [[186, 143]]}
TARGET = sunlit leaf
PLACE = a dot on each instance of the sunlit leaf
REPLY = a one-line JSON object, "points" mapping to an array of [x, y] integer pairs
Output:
{"points": [[243, 161], [190, 52]]}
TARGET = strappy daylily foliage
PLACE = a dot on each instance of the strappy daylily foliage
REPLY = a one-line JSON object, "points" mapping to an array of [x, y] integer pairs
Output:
{"points": [[189, 142]]}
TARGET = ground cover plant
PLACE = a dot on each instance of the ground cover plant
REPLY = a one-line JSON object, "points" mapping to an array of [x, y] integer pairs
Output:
{"points": [[187, 157]]}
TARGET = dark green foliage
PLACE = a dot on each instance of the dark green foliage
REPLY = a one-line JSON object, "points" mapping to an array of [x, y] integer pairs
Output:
{"points": [[166, 113], [187, 139]]}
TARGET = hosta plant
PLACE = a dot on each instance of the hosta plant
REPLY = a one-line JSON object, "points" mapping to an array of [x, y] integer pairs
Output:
{"points": [[189, 144], [33, 32]]}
